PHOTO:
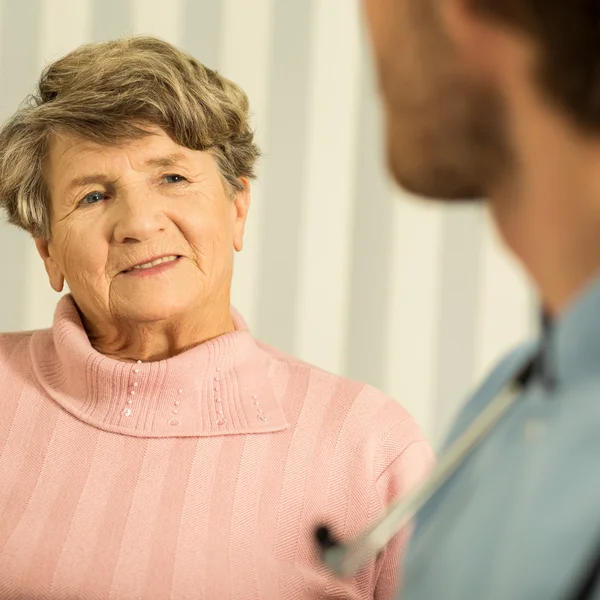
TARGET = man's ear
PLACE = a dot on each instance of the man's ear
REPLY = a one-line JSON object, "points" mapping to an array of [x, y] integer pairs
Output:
{"points": [[55, 276], [477, 36]]}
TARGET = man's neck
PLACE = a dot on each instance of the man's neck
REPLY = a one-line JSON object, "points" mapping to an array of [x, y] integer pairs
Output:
{"points": [[549, 212]]}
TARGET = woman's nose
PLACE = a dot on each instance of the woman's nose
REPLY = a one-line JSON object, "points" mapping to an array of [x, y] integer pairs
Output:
{"points": [[138, 216]]}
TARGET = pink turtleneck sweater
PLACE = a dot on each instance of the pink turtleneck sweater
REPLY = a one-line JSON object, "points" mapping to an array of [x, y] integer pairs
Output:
{"points": [[198, 477]]}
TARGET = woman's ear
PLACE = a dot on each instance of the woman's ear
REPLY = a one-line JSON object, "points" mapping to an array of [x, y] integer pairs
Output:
{"points": [[241, 202], [55, 276]]}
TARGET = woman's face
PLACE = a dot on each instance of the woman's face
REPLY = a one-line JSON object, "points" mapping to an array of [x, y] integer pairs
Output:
{"points": [[116, 211]]}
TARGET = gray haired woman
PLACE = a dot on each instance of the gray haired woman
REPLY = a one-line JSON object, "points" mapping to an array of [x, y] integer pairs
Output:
{"points": [[150, 447]]}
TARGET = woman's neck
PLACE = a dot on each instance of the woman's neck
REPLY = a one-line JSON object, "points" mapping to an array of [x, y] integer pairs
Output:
{"points": [[132, 341]]}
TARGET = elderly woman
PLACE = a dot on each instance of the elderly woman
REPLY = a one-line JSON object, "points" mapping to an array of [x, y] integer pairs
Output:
{"points": [[150, 447]]}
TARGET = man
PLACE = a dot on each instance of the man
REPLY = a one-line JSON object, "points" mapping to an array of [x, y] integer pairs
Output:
{"points": [[500, 99]]}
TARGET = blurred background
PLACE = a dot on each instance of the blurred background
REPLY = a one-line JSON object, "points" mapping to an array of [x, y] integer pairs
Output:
{"points": [[340, 268]]}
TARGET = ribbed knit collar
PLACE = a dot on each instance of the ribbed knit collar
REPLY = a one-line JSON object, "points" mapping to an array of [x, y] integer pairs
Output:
{"points": [[221, 387]]}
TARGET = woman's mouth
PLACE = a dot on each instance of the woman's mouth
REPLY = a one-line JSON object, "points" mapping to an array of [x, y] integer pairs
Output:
{"points": [[153, 266]]}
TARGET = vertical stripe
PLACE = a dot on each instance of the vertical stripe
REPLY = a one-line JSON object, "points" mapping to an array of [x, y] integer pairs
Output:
{"points": [[325, 218], [298, 466], [371, 249], [19, 67], [283, 444], [12, 458], [65, 24], [161, 563], [202, 29], [159, 18], [100, 570], [225, 486], [337, 415], [505, 318], [247, 25], [284, 174], [76, 556], [12, 408], [303, 441], [111, 19], [193, 534], [347, 452], [19, 52], [32, 463], [414, 307], [353, 502], [55, 503], [133, 552], [253, 475], [461, 276]]}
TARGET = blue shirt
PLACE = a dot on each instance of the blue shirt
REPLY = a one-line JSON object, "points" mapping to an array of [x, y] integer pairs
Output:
{"points": [[520, 519]]}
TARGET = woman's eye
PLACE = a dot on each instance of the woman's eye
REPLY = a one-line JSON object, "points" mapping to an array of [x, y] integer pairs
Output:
{"points": [[174, 178], [92, 198]]}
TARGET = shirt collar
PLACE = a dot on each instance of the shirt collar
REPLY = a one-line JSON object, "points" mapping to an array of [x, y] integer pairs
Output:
{"points": [[569, 350]]}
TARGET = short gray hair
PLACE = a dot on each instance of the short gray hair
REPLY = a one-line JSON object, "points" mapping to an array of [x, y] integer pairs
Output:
{"points": [[112, 92]]}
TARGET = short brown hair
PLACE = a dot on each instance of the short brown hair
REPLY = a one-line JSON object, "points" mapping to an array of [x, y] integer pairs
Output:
{"points": [[112, 92], [567, 35]]}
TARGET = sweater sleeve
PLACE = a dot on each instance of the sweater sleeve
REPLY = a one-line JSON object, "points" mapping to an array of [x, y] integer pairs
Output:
{"points": [[401, 476]]}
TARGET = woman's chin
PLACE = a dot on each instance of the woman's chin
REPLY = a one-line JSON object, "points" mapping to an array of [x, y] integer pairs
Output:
{"points": [[162, 307]]}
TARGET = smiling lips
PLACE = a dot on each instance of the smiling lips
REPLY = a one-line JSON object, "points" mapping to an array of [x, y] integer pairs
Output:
{"points": [[154, 265]]}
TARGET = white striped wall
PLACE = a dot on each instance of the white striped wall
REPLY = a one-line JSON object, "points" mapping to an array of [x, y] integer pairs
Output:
{"points": [[245, 50], [339, 268], [326, 219]]}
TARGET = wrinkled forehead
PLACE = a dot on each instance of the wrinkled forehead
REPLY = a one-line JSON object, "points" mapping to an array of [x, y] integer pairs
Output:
{"points": [[70, 155], [65, 147]]}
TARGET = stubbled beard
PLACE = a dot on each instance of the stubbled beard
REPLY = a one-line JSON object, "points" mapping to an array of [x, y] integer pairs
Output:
{"points": [[447, 133], [456, 154]]}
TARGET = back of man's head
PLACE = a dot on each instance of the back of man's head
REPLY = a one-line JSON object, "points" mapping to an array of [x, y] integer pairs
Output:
{"points": [[567, 33]]}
